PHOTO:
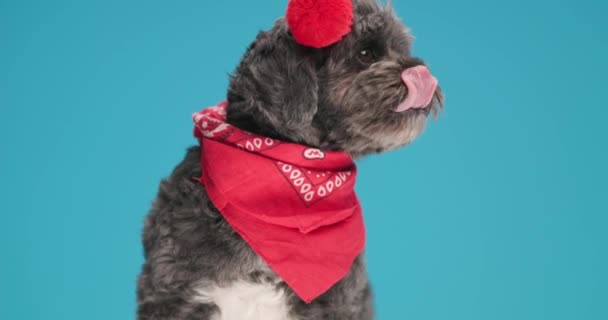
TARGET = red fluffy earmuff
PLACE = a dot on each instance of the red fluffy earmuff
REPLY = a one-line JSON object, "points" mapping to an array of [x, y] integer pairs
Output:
{"points": [[319, 23]]}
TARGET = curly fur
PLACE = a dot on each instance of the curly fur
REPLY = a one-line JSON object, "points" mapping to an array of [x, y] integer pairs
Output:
{"points": [[328, 98]]}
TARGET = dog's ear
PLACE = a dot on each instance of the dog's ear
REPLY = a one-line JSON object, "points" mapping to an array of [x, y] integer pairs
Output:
{"points": [[274, 89]]}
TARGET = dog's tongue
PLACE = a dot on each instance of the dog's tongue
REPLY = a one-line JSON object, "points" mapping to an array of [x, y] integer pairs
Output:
{"points": [[421, 87]]}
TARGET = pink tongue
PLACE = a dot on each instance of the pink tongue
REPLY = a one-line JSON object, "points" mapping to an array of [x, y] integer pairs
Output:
{"points": [[421, 87]]}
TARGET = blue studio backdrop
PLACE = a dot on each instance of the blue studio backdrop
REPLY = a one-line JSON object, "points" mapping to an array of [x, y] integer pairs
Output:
{"points": [[497, 212]]}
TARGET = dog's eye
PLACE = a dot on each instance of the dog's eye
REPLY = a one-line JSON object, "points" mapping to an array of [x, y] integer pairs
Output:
{"points": [[367, 56]]}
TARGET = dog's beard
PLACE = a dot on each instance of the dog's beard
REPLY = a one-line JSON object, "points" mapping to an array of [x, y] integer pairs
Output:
{"points": [[365, 104]]}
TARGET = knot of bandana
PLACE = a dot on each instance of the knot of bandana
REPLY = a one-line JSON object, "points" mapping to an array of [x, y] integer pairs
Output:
{"points": [[295, 206]]}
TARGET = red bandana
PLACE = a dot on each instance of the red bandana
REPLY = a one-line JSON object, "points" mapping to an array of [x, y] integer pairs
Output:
{"points": [[295, 206]]}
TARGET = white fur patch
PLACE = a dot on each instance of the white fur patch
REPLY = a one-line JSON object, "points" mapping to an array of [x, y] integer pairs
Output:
{"points": [[246, 301]]}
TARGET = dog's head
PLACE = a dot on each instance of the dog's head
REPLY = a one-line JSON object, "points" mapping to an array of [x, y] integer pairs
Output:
{"points": [[347, 96]]}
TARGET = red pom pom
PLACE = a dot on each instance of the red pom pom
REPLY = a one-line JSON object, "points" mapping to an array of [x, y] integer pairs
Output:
{"points": [[319, 23]]}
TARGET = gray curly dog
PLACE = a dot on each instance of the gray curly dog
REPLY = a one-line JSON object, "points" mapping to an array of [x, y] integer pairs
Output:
{"points": [[341, 97]]}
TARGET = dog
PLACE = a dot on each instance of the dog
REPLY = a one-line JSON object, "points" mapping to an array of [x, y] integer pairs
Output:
{"points": [[343, 97]]}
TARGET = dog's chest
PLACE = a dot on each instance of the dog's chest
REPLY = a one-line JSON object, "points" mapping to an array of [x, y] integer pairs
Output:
{"points": [[246, 301]]}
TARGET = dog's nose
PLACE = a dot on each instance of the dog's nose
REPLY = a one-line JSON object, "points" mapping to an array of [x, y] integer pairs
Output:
{"points": [[421, 86]]}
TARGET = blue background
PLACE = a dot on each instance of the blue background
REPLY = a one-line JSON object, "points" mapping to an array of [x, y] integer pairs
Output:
{"points": [[497, 212]]}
